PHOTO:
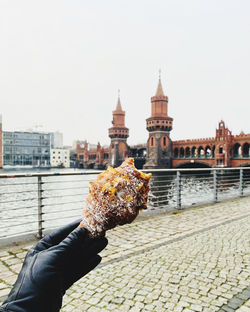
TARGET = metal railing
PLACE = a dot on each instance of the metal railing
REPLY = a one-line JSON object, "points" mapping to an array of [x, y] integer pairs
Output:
{"points": [[37, 203]]}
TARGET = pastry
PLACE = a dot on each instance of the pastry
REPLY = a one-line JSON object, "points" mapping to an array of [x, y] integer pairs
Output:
{"points": [[115, 198]]}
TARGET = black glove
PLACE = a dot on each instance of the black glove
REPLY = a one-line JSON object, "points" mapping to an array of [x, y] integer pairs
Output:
{"points": [[51, 267]]}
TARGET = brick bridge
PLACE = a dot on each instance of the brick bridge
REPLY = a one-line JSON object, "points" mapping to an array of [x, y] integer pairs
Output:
{"points": [[224, 150]]}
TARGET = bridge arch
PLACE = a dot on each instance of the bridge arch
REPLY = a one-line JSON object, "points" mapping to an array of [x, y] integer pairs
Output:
{"points": [[208, 151], [236, 150], [187, 151], [213, 151], [176, 152], [246, 150], [181, 152], [201, 152], [194, 151]]}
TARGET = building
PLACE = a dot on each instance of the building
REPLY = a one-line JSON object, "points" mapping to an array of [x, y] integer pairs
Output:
{"points": [[223, 150], [88, 156], [60, 157], [1, 147], [26, 149], [118, 133], [56, 139], [159, 125]]}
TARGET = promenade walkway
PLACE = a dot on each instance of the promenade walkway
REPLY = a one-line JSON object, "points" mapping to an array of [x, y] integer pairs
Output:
{"points": [[192, 260]]}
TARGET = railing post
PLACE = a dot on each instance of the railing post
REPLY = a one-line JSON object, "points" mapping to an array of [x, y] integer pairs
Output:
{"points": [[215, 186], [178, 189], [40, 208], [241, 182]]}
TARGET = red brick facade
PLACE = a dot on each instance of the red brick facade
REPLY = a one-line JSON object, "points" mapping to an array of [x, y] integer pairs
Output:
{"points": [[159, 125], [91, 158], [118, 133], [223, 150]]}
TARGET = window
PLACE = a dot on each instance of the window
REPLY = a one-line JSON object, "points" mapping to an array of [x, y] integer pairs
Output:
{"points": [[164, 141], [221, 150]]}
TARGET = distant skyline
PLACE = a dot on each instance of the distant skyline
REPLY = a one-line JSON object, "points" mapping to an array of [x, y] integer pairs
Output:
{"points": [[62, 63]]}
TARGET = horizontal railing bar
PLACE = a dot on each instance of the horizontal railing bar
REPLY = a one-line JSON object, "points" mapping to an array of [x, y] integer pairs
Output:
{"points": [[159, 186], [162, 191], [161, 201], [168, 177], [66, 188], [28, 191], [56, 204], [227, 179], [162, 181], [162, 196], [17, 200], [19, 208], [237, 174], [165, 206], [194, 192], [20, 224], [54, 227], [11, 184], [228, 186], [48, 174], [65, 210], [229, 183], [19, 233], [196, 178], [63, 217], [16, 216], [61, 196], [66, 181]]}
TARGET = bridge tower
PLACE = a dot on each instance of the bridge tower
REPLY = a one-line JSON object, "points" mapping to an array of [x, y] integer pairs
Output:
{"points": [[159, 125], [118, 134]]}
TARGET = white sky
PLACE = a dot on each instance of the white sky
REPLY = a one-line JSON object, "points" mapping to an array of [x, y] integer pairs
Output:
{"points": [[62, 62]]}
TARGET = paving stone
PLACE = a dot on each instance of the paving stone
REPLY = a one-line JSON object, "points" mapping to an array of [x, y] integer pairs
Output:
{"points": [[163, 263], [235, 303], [227, 309], [243, 309]]}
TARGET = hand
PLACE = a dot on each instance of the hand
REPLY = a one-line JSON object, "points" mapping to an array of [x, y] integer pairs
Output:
{"points": [[51, 267]]}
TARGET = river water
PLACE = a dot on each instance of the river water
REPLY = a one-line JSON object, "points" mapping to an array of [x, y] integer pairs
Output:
{"points": [[64, 196]]}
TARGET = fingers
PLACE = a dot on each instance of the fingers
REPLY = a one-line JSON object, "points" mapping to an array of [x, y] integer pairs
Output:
{"points": [[57, 236], [96, 245], [80, 268], [72, 242], [78, 245]]}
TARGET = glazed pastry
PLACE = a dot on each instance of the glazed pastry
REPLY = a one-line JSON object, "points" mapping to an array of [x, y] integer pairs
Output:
{"points": [[115, 198]]}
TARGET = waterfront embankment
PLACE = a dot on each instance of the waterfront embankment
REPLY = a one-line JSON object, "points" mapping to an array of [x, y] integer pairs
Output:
{"points": [[197, 259]]}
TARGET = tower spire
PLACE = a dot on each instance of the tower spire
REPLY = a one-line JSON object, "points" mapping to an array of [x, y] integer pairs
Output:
{"points": [[119, 106], [159, 91]]}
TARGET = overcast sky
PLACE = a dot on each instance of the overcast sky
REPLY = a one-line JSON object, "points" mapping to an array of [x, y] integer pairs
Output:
{"points": [[62, 63]]}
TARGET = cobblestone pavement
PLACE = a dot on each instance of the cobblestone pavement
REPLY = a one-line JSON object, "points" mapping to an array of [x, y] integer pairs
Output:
{"points": [[192, 260]]}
